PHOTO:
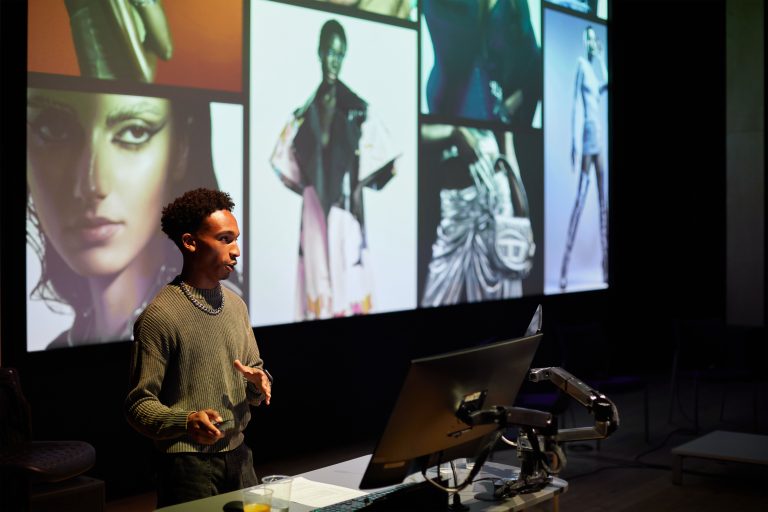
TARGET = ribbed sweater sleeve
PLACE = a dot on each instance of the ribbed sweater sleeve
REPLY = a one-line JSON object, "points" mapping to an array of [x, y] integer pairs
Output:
{"points": [[183, 361]]}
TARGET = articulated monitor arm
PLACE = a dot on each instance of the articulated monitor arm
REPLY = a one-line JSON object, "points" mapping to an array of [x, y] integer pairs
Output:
{"points": [[599, 406], [538, 441], [505, 416]]}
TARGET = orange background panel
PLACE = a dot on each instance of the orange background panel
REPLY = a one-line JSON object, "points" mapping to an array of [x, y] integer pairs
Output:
{"points": [[207, 43], [49, 41]]}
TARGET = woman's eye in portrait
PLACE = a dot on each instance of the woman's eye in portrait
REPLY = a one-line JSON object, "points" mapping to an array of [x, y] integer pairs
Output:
{"points": [[136, 133], [52, 125]]}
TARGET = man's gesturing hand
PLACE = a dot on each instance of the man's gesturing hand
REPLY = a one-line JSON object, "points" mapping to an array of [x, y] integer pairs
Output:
{"points": [[257, 377], [200, 426]]}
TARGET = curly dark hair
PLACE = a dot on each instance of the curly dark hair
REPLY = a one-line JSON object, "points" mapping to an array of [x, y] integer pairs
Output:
{"points": [[185, 214]]}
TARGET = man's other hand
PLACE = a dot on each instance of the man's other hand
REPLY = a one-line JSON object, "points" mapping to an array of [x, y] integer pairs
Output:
{"points": [[257, 377]]}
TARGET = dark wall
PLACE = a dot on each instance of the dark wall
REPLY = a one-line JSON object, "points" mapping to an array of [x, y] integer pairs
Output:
{"points": [[335, 380], [669, 161]]}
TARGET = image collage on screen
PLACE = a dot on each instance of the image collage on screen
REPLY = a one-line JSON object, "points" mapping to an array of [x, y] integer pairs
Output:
{"points": [[383, 155]]}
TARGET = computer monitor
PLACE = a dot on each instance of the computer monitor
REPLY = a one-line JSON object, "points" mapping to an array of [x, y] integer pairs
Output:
{"points": [[423, 429]]}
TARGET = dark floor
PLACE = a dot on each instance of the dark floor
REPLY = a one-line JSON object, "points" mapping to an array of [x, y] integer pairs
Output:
{"points": [[624, 473]]}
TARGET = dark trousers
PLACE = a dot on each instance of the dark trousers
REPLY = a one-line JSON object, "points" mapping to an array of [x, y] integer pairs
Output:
{"points": [[190, 476]]}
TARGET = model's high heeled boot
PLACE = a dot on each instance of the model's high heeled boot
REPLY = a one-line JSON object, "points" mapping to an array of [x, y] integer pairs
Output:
{"points": [[573, 225]]}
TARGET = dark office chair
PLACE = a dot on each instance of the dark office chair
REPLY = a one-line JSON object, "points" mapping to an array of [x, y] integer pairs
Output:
{"points": [[544, 396], [594, 359], [710, 354], [24, 462]]}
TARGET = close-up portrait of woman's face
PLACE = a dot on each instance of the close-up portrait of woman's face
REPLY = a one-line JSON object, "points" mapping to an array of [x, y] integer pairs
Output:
{"points": [[97, 168]]}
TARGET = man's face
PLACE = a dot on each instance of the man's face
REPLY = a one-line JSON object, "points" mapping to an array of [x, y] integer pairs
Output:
{"points": [[216, 250], [332, 59]]}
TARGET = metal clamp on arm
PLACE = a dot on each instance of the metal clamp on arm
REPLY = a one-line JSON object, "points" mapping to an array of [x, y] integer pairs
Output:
{"points": [[505, 416]]}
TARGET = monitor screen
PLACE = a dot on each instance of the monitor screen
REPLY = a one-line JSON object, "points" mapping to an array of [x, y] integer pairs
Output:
{"points": [[423, 428]]}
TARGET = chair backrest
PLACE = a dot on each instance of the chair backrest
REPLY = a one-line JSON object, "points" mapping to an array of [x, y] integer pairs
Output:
{"points": [[545, 396], [700, 343], [15, 417], [591, 357], [586, 352], [709, 346]]}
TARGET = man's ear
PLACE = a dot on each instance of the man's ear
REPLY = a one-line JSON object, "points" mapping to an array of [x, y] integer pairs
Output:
{"points": [[188, 242]]}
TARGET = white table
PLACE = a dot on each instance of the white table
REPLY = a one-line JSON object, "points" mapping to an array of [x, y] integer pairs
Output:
{"points": [[721, 445], [349, 473]]}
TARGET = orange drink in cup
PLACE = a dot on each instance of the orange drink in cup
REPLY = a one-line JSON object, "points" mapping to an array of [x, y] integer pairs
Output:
{"points": [[257, 499]]}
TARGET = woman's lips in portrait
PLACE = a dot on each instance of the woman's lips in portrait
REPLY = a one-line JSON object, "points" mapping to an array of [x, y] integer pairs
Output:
{"points": [[92, 231]]}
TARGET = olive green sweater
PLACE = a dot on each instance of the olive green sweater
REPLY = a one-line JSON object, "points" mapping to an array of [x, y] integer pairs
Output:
{"points": [[183, 361]]}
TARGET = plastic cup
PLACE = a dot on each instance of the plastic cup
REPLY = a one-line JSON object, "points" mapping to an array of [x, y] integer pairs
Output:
{"points": [[281, 491], [257, 499]]}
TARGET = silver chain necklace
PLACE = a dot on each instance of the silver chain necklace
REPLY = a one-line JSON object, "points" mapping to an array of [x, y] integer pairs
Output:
{"points": [[203, 307]]}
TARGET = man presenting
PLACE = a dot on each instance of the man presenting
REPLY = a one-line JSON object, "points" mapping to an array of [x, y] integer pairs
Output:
{"points": [[195, 365]]}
